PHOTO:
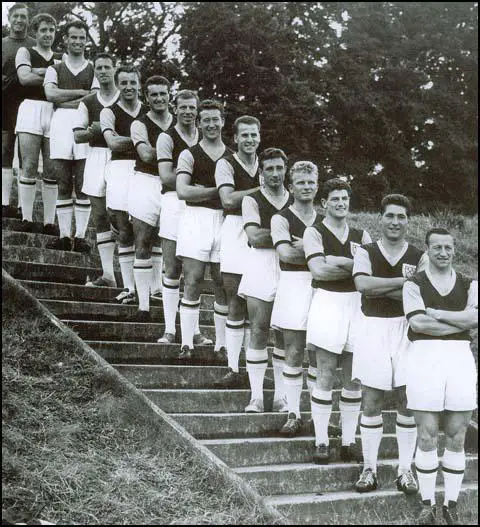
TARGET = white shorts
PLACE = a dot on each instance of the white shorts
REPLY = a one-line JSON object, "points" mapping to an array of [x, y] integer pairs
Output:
{"points": [[261, 275], [117, 177], [145, 198], [233, 245], [381, 352], [62, 143], [34, 117], [199, 234], [441, 375], [172, 210], [333, 319], [94, 174], [292, 301]]}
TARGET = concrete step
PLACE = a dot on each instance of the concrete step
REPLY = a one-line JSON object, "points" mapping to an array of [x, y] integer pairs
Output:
{"points": [[204, 425], [382, 507], [242, 452], [128, 331], [13, 224], [299, 478], [65, 274], [57, 291], [187, 376], [49, 256], [68, 309], [225, 401]]}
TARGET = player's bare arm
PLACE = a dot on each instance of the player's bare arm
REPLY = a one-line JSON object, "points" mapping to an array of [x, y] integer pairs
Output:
{"points": [[322, 269], [117, 143], [258, 237], [232, 199], [193, 193], [423, 323], [60, 96], [466, 319], [377, 286], [28, 76]]}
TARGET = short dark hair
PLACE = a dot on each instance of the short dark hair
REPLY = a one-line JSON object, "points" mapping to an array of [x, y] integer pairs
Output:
{"points": [[104, 55], [335, 184], [77, 24], [127, 69], [16, 7], [272, 153], [186, 94], [156, 79], [396, 199], [436, 230], [211, 104], [42, 17], [245, 119]]}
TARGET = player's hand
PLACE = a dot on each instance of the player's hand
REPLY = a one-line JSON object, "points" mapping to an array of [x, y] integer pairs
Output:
{"points": [[39, 71], [95, 128], [297, 242]]}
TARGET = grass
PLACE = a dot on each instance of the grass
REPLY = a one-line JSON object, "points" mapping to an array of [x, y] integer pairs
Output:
{"points": [[75, 450]]}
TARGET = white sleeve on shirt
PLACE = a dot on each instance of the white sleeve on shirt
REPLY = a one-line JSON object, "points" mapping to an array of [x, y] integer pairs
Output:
{"points": [[472, 301], [224, 174], [280, 230], [361, 263], [185, 163], [81, 122], [250, 212], [164, 148], [139, 133], [366, 238], [22, 58], [107, 120], [312, 243], [50, 76], [412, 299]]}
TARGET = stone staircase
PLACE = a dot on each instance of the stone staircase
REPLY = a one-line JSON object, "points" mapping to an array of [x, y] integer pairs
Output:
{"points": [[279, 468]]}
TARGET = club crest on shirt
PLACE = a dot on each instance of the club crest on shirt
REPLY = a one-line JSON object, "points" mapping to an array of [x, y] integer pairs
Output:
{"points": [[408, 270], [353, 247]]}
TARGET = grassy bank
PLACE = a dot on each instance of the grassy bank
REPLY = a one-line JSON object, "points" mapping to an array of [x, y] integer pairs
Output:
{"points": [[75, 450]]}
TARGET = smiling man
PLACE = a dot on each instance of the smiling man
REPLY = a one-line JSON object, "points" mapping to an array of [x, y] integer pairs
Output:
{"points": [[33, 123], [329, 247], [11, 96], [441, 306], [236, 176], [380, 269], [65, 84]]}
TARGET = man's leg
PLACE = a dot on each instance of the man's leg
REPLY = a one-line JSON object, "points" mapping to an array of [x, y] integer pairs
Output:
{"points": [[453, 463], [293, 378], [49, 190], [371, 430], [157, 264], [234, 331], [259, 313], [321, 399], [8, 142], [30, 145], [426, 462], [171, 288], [143, 270], [62, 169], [220, 311], [278, 363], [194, 272], [82, 208], [126, 256], [350, 402], [105, 240]]}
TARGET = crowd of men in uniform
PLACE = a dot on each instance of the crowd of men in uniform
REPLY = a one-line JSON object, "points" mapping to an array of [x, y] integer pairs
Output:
{"points": [[174, 197]]}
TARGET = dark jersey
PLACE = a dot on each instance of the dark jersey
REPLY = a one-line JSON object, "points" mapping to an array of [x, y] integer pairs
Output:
{"points": [[266, 209], [242, 181], [153, 131], [178, 146], [66, 80], [456, 300], [334, 247], [123, 121], [384, 307], [37, 93], [10, 46]]}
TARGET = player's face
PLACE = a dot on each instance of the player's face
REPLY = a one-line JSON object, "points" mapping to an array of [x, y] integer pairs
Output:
{"points": [[76, 40], [394, 222], [247, 138], [18, 20], [104, 71], [304, 186], [186, 111], [211, 123], [441, 250], [128, 85], [158, 97], [337, 204], [45, 34], [273, 172]]}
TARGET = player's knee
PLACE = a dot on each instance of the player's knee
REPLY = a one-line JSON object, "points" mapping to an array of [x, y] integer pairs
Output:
{"points": [[455, 439], [426, 439]]}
